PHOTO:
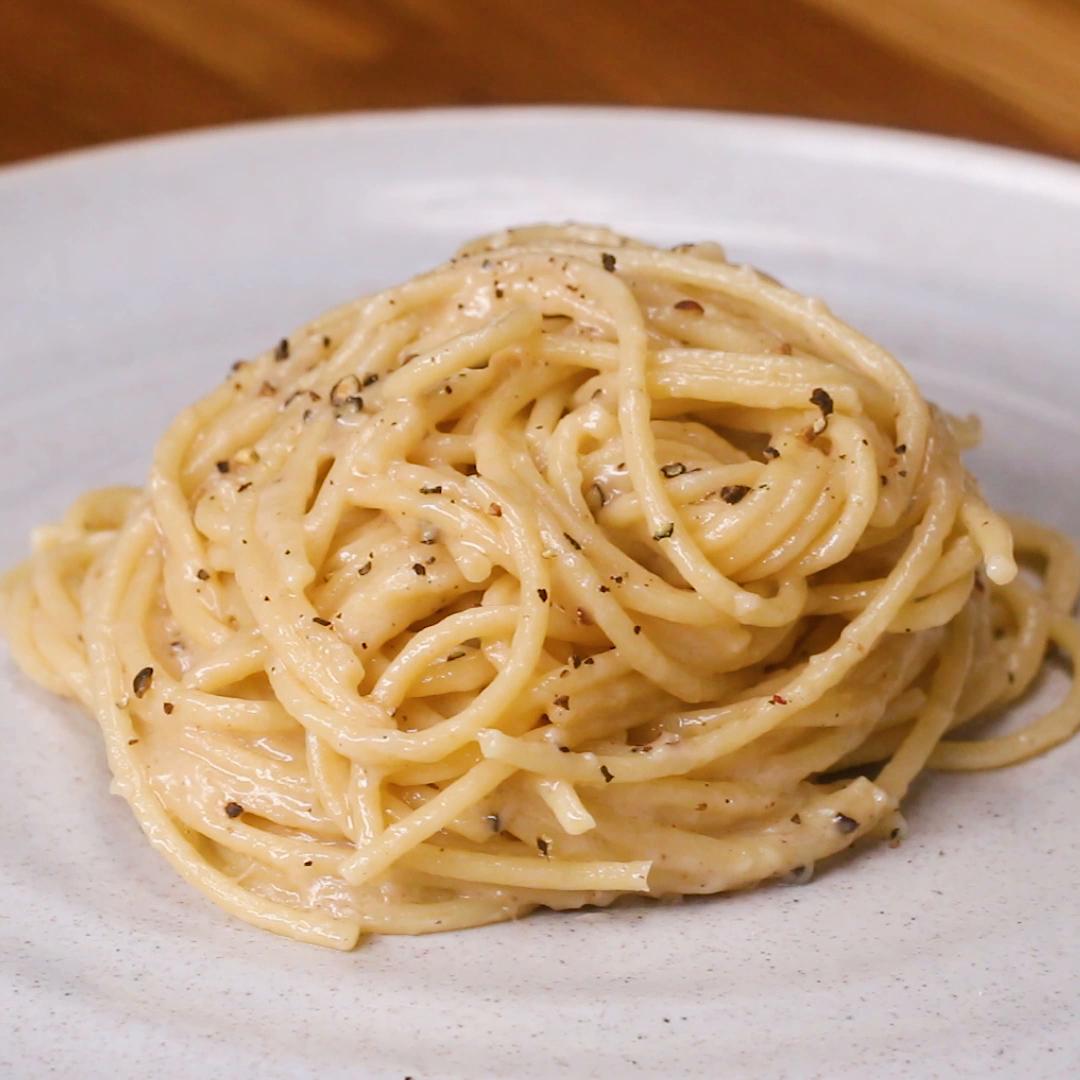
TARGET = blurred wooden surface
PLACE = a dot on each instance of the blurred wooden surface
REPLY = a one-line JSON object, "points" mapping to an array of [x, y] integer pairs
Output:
{"points": [[76, 72]]}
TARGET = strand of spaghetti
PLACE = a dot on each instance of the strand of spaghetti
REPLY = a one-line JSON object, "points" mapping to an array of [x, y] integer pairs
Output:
{"points": [[401, 837], [130, 780], [35, 658], [1054, 727], [954, 664], [1062, 581], [530, 873], [436, 917]]}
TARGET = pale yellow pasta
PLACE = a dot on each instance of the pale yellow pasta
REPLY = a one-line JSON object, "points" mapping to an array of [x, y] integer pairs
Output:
{"points": [[573, 569]]}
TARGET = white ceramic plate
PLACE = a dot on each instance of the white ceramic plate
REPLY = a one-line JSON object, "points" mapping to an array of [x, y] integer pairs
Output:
{"points": [[130, 278]]}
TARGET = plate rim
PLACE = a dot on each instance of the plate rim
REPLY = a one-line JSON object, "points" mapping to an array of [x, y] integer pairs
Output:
{"points": [[923, 151]]}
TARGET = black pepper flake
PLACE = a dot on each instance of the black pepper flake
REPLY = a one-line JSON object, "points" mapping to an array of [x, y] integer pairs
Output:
{"points": [[607, 774], [778, 699], [419, 569], [132, 742], [689, 305], [588, 661], [771, 452], [665, 532], [167, 707], [544, 846], [233, 809], [326, 341], [320, 620], [572, 542], [607, 261], [281, 350], [884, 480], [543, 594], [564, 749], [733, 493], [844, 823], [222, 466], [244, 486], [637, 629], [499, 294], [603, 588], [495, 510], [345, 393], [674, 468], [575, 661], [562, 701], [796, 819], [202, 575], [901, 448], [822, 399], [309, 862], [141, 683], [431, 489]]}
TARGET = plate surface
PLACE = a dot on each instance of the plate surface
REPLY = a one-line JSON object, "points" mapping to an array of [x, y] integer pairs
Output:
{"points": [[131, 277]]}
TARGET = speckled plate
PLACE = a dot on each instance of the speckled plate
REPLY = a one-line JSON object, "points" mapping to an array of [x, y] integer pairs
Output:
{"points": [[130, 277]]}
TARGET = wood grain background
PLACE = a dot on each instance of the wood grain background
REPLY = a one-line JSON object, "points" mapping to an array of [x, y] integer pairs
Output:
{"points": [[76, 72]]}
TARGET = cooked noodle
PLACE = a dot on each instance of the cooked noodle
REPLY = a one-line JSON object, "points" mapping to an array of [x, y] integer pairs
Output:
{"points": [[572, 569]]}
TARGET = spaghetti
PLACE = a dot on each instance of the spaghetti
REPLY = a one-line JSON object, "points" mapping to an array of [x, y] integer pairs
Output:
{"points": [[571, 569]]}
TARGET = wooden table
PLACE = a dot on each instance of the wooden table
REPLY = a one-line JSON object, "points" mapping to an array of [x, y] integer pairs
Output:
{"points": [[75, 72]]}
